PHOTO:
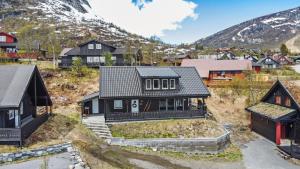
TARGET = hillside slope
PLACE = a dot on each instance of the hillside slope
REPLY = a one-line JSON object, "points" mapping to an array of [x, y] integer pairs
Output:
{"points": [[264, 32]]}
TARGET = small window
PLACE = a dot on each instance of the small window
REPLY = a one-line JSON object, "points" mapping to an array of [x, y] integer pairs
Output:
{"points": [[165, 84], [11, 114], [89, 59], [118, 104], [278, 100], [113, 58], [91, 46], [172, 84], [98, 46], [288, 102], [2, 38], [96, 59], [156, 85], [148, 84], [102, 59]]}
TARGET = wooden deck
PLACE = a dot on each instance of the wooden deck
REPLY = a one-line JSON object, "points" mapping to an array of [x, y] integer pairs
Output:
{"points": [[118, 117], [19, 134]]}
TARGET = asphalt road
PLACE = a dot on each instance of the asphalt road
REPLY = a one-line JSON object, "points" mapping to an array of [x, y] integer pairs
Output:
{"points": [[59, 161], [262, 154]]}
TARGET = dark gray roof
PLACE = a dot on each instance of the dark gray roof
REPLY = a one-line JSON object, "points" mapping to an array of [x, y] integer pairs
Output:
{"points": [[91, 96], [263, 61], [14, 80], [122, 51], [126, 82], [74, 52], [157, 72]]}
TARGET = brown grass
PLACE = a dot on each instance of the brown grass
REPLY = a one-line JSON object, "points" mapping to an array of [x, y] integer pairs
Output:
{"points": [[194, 128]]}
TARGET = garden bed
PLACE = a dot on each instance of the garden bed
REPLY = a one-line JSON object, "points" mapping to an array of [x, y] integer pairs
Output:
{"points": [[198, 128]]}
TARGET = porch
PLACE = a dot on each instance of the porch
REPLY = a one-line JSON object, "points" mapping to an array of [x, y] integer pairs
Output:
{"points": [[153, 109]]}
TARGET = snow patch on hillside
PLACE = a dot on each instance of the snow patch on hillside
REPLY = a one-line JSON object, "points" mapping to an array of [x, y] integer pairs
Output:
{"points": [[271, 20]]}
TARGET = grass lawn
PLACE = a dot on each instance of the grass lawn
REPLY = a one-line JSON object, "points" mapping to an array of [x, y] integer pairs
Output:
{"points": [[194, 128], [231, 154]]}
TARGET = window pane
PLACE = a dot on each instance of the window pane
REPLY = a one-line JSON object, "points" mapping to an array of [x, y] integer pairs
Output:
{"points": [[118, 104], [155, 84], [2, 38], [165, 84], [102, 59], [96, 59], [171, 104], [148, 84], [172, 84], [179, 104], [91, 46], [98, 46], [162, 104]]}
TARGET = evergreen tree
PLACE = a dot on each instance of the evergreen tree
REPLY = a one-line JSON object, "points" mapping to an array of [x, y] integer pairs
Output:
{"points": [[284, 50]]}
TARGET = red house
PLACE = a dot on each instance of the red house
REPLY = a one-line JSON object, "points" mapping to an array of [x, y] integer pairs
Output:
{"points": [[8, 43]]}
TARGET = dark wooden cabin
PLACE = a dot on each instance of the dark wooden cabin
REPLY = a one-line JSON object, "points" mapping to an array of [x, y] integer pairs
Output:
{"points": [[92, 54], [24, 102], [275, 115], [268, 63], [148, 93]]}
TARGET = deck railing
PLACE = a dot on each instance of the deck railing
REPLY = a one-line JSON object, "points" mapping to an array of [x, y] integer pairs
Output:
{"points": [[10, 134], [19, 134], [114, 117]]}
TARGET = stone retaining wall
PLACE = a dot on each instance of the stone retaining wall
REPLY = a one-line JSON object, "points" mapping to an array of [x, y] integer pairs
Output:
{"points": [[50, 150], [186, 145]]}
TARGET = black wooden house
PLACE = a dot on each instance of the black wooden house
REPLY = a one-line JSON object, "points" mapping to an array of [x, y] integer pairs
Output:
{"points": [[144, 93], [92, 55], [24, 102], [274, 117]]}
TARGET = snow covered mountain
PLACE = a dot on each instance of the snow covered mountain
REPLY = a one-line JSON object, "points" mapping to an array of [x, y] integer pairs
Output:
{"points": [[71, 15], [268, 31]]}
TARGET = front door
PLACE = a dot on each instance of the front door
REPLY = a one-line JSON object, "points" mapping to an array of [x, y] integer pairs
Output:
{"points": [[95, 106], [135, 106]]}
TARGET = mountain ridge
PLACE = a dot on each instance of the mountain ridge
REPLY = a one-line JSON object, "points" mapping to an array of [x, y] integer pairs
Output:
{"points": [[268, 31]]}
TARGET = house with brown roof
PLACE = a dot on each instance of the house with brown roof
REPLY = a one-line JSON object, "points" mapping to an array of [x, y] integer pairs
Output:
{"points": [[212, 70], [283, 60], [276, 117]]}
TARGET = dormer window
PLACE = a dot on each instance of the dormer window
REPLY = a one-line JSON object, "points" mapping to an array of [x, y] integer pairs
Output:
{"points": [[148, 84], [98, 46], [156, 85], [172, 84], [91, 46], [165, 84]]}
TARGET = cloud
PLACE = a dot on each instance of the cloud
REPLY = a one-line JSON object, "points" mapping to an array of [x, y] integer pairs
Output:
{"points": [[143, 17]]}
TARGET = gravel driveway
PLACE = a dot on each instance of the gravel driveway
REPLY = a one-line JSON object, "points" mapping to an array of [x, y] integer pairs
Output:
{"points": [[262, 154], [60, 161]]}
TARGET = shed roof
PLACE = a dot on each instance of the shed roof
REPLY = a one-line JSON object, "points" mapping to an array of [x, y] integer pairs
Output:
{"points": [[204, 66], [64, 51], [270, 110], [161, 72], [126, 82]]}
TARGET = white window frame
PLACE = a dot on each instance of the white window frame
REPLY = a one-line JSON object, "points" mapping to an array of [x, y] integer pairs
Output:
{"points": [[162, 84], [96, 59], [11, 114], [102, 59], [148, 87], [98, 46], [89, 59], [118, 104], [90, 47], [174, 82], [154, 85], [114, 58], [2, 38]]}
